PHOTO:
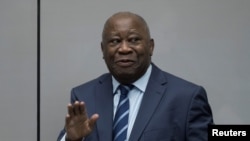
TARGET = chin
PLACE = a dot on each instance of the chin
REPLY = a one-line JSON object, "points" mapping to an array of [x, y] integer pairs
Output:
{"points": [[125, 76], [124, 73]]}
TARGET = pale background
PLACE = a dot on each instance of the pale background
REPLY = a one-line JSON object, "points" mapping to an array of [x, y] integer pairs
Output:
{"points": [[18, 67], [204, 41]]}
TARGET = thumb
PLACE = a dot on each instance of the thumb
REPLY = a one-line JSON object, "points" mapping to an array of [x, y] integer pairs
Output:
{"points": [[92, 120]]}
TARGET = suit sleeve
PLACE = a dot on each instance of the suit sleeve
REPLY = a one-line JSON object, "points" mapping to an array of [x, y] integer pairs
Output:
{"points": [[199, 117]]}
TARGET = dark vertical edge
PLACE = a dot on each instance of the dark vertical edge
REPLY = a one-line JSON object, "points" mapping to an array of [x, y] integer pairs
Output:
{"points": [[38, 70]]}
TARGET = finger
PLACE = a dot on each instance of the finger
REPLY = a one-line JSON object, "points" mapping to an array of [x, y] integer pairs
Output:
{"points": [[67, 119], [83, 111], [82, 108], [76, 108], [92, 120], [70, 110]]}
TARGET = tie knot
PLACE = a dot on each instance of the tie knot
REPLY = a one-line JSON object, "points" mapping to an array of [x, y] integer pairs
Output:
{"points": [[125, 89]]}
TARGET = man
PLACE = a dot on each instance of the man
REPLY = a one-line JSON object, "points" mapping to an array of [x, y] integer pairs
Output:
{"points": [[162, 107]]}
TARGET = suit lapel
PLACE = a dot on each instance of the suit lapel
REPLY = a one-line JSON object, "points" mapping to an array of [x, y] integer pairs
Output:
{"points": [[104, 107], [151, 99]]}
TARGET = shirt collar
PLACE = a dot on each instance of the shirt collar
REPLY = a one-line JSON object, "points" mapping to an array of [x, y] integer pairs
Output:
{"points": [[141, 83]]}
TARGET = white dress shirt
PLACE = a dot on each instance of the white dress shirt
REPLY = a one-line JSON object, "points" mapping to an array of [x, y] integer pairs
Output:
{"points": [[135, 97]]}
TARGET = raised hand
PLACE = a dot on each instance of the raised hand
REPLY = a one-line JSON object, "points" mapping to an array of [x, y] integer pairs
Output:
{"points": [[78, 125]]}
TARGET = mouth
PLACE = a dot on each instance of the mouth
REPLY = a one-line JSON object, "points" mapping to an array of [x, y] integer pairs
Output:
{"points": [[124, 62]]}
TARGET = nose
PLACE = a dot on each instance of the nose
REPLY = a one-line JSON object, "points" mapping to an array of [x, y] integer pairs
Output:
{"points": [[124, 48]]}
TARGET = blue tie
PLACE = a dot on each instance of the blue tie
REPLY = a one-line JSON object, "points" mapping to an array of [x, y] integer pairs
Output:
{"points": [[120, 125]]}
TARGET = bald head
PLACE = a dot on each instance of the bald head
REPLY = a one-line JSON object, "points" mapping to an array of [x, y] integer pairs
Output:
{"points": [[121, 15], [127, 46]]}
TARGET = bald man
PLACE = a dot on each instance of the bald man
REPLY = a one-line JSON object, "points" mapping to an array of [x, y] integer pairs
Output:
{"points": [[163, 107]]}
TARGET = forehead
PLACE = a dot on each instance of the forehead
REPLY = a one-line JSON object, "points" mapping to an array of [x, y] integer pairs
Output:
{"points": [[124, 22]]}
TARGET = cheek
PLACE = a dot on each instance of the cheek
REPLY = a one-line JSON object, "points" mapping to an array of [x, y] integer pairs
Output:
{"points": [[144, 53], [105, 52], [108, 55]]}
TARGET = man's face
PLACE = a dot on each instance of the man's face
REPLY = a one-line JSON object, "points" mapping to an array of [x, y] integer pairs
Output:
{"points": [[127, 48]]}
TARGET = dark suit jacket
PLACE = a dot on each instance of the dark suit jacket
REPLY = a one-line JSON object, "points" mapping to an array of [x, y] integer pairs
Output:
{"points": [[172, 109]]}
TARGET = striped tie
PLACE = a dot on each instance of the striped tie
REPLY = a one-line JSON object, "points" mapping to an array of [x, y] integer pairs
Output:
{"points": [[122, 113]]}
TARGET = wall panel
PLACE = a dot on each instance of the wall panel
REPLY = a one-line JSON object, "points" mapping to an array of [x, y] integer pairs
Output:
{"points": [[18, 73]]}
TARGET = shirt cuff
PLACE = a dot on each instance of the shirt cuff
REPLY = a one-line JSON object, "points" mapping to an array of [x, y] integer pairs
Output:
{"points": [[64, 138]]}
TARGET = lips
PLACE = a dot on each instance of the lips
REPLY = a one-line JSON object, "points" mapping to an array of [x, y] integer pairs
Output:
{"points": [[124, 62]]}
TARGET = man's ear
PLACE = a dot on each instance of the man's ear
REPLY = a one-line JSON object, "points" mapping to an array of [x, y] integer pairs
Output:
{"points": [[102, 46], [151, 45], [102, 50]]}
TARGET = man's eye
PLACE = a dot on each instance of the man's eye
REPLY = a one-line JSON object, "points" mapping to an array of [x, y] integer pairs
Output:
{"points": [[134, 40], [114, 41]]}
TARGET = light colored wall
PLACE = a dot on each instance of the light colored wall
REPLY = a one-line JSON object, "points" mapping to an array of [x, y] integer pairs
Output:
{"points": [[18, 91]]}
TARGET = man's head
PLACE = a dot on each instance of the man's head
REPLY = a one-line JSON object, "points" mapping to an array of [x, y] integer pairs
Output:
{"points": [[127, 46]]}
